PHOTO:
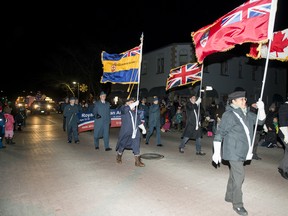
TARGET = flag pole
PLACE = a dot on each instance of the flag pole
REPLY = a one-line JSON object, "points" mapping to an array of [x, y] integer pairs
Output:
{"points": [[139, 73], [200, 90], [270, 37]]}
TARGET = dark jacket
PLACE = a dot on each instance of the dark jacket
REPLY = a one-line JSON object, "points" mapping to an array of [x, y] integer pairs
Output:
{"points": [[191, 122], [231, 131]]}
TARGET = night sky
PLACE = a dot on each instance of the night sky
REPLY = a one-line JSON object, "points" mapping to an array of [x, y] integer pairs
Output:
{"points": [[34, 32]]}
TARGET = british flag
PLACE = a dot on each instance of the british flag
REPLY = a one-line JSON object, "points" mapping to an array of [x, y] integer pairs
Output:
{"points": [[132, 52], [183, 75]]}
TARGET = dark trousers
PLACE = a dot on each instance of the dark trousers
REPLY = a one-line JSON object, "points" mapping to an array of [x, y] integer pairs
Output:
{"points": [[64, 123], [234, 186]]}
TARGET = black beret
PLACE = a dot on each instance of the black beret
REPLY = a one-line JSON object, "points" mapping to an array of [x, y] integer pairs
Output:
{"points": [[72, 98], [236, 94]]}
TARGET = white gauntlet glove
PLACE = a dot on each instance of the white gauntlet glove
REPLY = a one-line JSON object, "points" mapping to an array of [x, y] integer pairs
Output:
{"points": [[141, 126], [261, 110], [198, 101], [216, 157], [133, 105]]}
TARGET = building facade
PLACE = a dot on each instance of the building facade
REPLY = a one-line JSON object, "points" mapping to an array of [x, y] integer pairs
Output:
{"points": [[223, 73]]}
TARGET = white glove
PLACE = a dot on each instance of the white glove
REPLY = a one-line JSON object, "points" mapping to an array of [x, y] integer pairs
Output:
{"points": [[216, 157], [261, 110], [265, 128], [141, 126], [134, 104], [198, 101]]}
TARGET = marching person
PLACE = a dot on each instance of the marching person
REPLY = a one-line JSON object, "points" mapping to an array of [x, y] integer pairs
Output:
{"points": [[154, 122], [193, 128], [234, 135], [129, 135], [70, 113], [101, 112]]}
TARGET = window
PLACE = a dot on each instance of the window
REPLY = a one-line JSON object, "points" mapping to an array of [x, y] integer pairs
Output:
{"points": [[240, 76], [144, 68], [160, 65], [224, 69], [183, 57], [254, 70]]}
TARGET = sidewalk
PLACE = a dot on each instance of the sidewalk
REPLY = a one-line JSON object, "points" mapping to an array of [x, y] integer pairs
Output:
{"points": [[43, 175]]}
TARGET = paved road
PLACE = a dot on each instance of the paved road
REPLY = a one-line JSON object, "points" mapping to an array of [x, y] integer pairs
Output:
{"points": [[42, 175]]}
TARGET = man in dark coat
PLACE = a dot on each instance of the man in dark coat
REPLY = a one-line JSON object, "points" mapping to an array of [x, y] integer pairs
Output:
{"points": [[129, 135], [72, 120], [101, 112], [283, 134], [192, 128], [154, 121], [235, 136]]}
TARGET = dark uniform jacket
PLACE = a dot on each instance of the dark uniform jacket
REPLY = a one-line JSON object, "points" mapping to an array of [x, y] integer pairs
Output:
{"points": [[192, 121], [231, 131]]}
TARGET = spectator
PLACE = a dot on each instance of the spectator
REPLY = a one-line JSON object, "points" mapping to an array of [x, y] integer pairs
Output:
{"points": [[154, 122]]}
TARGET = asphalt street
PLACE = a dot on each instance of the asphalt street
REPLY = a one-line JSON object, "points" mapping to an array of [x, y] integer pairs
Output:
{"points": [[43, 175]]}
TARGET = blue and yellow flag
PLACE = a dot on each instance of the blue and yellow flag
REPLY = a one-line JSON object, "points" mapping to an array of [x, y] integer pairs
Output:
{"points": [[121, 68]]}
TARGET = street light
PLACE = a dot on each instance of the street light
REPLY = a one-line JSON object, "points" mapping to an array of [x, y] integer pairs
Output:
{"points": [[77, 88]]}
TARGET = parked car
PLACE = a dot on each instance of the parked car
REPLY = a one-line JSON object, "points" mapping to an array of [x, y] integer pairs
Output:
{"points": [[41, 107]]}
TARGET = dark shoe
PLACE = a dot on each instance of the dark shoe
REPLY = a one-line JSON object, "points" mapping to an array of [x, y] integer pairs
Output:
{"points": [[181, 150], [240, 211], [119, 158], [146, 143], [159, 145], [77, 142], [108, 149], [69, 141], [97, 148], [283, 174], [200, 153], [3, 147]]}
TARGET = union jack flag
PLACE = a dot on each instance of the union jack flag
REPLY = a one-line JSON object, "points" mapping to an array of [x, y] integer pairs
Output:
{"points": [[132, 52], [183, 75]]}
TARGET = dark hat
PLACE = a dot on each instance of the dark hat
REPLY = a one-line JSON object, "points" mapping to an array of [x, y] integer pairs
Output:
{"points": [[236, 94], [155, 98], [72, 98], [102, 93]]}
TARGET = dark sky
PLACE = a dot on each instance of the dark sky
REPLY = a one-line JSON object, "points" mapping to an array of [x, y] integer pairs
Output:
{"points": [[32, 31]]}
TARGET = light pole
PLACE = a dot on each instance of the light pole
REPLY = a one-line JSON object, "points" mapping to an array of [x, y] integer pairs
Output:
{"points": [[77, 88]]}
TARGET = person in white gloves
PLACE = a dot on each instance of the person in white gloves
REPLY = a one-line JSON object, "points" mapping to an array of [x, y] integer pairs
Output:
{"points": [[283, 134], [129, 135], [193, 128], [234, 136]]}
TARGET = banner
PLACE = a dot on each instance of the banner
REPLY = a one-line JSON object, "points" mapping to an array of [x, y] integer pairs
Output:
{"points": [[121, 68], [86, 120]]}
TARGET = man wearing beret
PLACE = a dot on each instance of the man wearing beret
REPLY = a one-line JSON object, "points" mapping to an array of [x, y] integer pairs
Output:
{"points": [[101, 112], [235, 136], [72, 120], [129, 135], [154, 122]]}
